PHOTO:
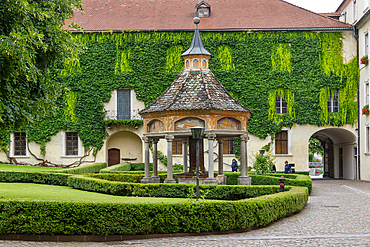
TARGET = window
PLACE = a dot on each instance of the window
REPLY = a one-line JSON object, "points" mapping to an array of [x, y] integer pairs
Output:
{"points": [[177, 146], [366, 44], [333, 103], [124, 104], [344, 16], [367, 139], [281, 142], [71, 143], [203, 10], [354, 10], [367, 97], [20, 144], [228, 146], [281, 106]]}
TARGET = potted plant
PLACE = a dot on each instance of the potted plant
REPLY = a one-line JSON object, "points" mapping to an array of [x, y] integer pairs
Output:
{"points": [[364, 60], [317, 173], [365, 110]]}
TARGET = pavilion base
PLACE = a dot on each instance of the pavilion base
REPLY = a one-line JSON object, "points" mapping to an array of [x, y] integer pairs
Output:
{"points": [[221, 179], [146, 180], [169, 181], [189, 178], [245, 180], [156, 179]]}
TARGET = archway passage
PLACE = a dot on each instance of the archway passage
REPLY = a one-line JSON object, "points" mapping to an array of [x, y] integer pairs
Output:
{"points": [[129, 148], [340, 148], [113, 156]]}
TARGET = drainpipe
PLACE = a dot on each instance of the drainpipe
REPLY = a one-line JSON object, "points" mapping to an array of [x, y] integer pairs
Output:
{"points": [[355, 35]]}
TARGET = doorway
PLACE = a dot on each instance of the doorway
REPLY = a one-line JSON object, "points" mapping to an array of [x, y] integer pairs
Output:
{"points": [[113, 156]]}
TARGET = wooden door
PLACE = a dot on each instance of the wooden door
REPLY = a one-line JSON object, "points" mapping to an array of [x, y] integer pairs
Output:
{"points": [[113, 156]]}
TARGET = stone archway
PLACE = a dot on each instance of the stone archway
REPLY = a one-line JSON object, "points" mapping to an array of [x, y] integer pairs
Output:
{"points": [[339, 145], [129, 145]]}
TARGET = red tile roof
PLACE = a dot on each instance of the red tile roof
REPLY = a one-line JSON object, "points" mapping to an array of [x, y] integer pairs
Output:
{"points": [[125, 15]]}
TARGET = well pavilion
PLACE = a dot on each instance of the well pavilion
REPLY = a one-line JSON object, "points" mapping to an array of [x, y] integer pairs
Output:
{"points": [[196, 98]]}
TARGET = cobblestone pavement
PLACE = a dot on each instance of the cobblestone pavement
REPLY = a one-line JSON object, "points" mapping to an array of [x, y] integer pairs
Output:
{"points": [[337, 214]]}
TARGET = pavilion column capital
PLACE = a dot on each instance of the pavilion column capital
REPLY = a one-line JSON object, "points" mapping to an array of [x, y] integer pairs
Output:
{"points": [[211, 136], [244, 137], [169, 138], [145, 139]]}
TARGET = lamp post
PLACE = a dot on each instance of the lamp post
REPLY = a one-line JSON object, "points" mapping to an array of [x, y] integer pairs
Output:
{"points": [[197, 134]]}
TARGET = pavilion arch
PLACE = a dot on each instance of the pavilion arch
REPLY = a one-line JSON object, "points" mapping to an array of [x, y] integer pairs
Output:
{"points": [[155, 125], [340, 150], [129, 145], [188, 122]]}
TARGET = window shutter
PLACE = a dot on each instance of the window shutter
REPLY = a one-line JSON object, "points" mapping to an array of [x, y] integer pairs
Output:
{"points": [[123, 104]]}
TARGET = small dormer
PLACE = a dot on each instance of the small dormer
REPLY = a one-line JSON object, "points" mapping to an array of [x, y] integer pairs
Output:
{"points": [[203, 10]]}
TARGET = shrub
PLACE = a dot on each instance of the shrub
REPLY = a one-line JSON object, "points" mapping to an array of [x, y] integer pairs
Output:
{"points": [[166, 190], [34, 177], [92, 168], [71, 218], [262, 163]]}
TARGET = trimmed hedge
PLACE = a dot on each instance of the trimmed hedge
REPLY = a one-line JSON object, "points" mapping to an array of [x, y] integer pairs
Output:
{"points": [[218, 192], [71, 218], [125, 167], [92, 168], [34, 177], [272, 179], [129, 177]]}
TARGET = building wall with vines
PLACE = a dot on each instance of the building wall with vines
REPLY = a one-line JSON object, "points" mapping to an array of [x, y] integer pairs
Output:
{"points": [[255, 67]]}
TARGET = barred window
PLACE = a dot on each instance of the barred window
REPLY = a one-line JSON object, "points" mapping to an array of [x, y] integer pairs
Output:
{"points": [[20, 143], [177, 146], [281, 106], [281, 142], [229, 146], [333, 103], [71, 143]]}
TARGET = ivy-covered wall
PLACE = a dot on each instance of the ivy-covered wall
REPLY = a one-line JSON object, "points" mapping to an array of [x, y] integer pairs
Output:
{"points": [[256, 68]]}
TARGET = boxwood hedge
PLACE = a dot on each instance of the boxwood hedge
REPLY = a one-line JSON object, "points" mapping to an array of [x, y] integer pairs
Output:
{"points": [[71, 218]]}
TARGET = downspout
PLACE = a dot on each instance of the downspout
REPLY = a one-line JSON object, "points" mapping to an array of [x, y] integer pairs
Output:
{"points": [[355, 35]]}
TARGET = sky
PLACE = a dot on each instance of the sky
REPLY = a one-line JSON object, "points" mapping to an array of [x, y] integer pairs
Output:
{"points": [[318, 6]]}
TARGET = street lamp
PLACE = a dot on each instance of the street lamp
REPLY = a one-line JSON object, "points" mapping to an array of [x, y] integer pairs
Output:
{"points": [[197, 134], [262, 151]]}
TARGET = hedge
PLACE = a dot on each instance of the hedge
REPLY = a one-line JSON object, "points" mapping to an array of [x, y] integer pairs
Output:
{"points": [[219, 192], [125, 167], [34, 177], [91, 168], [71, 218]]}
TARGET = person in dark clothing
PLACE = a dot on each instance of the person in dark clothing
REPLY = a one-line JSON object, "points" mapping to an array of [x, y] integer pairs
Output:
{"points": [[273, 169], [234, 166], [286, 167]]}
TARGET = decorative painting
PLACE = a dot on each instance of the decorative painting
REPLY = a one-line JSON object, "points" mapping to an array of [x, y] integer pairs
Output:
{"points": [[228, 124], [188, 123], [156, 126]]}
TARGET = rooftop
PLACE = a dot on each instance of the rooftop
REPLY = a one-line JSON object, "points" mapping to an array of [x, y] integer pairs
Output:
{"points": [[175, 15]]}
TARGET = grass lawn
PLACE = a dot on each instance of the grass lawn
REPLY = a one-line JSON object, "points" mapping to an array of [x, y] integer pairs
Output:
{"points": [[43, 192], [4, 167]]}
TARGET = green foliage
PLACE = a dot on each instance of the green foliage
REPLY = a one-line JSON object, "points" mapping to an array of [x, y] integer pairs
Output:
{"points": [[70, 218], [314, 147], [262, 163], [34, 177], [92, 168], [247, 64], [115, 168], [124, 122], [31, 40], [281, 57]]}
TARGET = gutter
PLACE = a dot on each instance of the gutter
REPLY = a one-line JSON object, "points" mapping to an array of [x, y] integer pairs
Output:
{"points": [[355, 35], [325, 29]]}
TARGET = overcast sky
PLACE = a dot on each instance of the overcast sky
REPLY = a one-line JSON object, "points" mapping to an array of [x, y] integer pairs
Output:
{"points": [[319, 6]]}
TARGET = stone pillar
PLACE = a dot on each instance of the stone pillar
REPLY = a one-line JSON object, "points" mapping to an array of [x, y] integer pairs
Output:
{"points": [[169, 178], [185, 155], [155, 177], [244, 179], [221, 178], [146, 179], [211, 170]]}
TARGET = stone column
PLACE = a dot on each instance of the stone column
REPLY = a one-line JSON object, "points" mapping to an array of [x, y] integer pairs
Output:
{"points": [[146, 179], [244, 179], [185, 155], [221, 178], [211, 170], [155, 177], [169, 178]]}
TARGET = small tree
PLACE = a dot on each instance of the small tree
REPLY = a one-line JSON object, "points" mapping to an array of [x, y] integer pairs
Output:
{"points": [[262, 163]]}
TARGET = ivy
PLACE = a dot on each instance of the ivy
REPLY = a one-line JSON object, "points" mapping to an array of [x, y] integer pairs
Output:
{"points": [[256, 68]]}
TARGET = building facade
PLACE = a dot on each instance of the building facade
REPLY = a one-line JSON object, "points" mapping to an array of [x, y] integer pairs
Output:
{"points": [[297, 77]]}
